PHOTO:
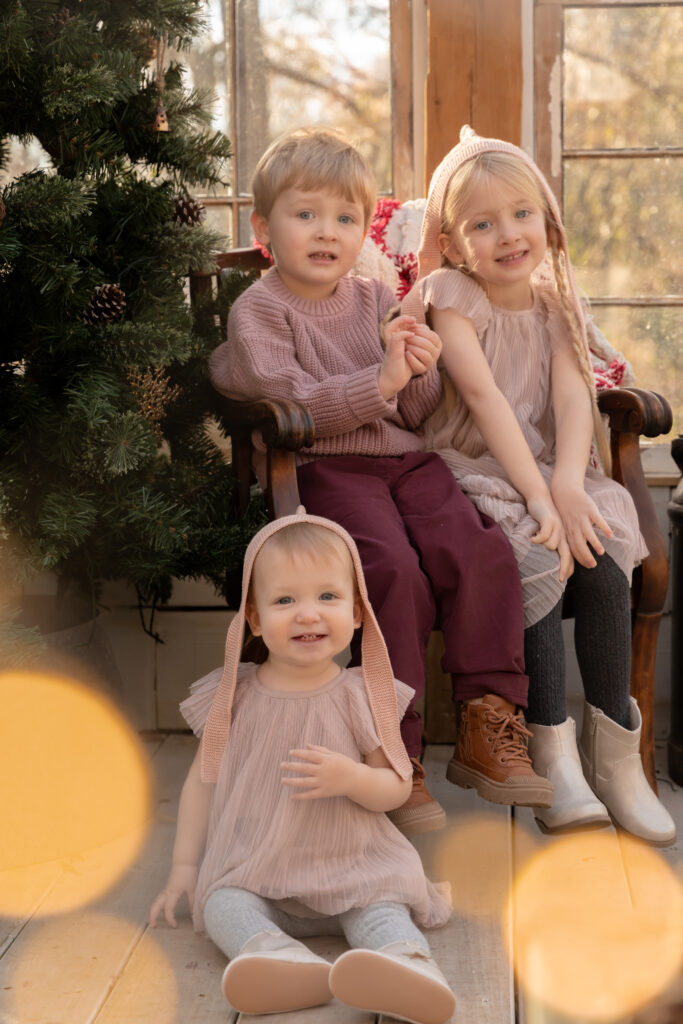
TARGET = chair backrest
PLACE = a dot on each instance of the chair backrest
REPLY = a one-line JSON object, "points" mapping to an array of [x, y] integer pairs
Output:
{"points": [[204, 283]]}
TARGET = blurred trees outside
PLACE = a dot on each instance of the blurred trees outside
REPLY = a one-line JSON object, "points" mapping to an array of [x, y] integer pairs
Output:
{"points": [[623, 89]]}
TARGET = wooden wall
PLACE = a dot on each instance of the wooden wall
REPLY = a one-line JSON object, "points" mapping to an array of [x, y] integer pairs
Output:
{"points": [[475, 73]]}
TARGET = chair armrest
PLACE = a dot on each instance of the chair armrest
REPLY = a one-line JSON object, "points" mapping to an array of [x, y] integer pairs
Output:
{"points": [[286, 426], [283, 422], [633, 413], [634, 410]]}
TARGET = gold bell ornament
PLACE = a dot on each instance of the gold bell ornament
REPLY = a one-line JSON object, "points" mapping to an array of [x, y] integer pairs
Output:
{"points": [[160, 122]]}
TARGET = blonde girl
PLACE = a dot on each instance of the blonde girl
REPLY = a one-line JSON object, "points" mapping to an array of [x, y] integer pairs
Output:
{"points": [[281, 830], [515, 424]]}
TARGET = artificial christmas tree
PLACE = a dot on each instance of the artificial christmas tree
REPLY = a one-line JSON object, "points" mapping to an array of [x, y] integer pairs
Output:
{"points": [[106, 468]]}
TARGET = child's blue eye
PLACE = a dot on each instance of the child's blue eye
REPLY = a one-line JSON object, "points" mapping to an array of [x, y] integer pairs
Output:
{"points": [[305, 215], [284, 600], [345, 219], [482, 225], [521, 214], [327, 596]]}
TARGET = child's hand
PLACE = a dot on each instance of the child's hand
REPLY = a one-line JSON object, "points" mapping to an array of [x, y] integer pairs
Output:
{"points": [[182, 880], [423, 349], [395, 371], [579, 516], [551, 533], [321, 772]]}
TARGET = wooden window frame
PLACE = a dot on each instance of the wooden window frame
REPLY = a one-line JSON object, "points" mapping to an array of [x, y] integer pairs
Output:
{"points": [[401, 62], [549, 147]]}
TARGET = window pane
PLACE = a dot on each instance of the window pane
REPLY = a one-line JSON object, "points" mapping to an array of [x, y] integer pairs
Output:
{"points": [[650, 340], [622, 217], [23, 158], [219, 218], [246, 234], [322, 62], [623, 77]]}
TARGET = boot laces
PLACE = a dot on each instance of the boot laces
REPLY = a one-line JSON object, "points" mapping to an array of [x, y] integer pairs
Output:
{"points": [[508, 736], [418, 774]]}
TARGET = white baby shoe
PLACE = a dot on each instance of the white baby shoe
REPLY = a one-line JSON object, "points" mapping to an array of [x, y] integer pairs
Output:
{"points": [[274, 974], [400, 980]]}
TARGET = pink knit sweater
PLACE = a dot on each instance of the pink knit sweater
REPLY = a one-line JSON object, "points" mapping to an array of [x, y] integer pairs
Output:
{"points": [[327, 355]]}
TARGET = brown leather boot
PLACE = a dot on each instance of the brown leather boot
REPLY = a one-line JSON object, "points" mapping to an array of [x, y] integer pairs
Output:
{"points": [[420, 813], [491, 754]]}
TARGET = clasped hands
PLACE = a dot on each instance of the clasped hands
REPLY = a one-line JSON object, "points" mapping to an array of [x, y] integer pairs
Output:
{"points": [[410, 349]]}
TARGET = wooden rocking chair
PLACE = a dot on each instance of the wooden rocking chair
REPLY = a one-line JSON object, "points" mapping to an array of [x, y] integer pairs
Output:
{"points": [[286, 427]]}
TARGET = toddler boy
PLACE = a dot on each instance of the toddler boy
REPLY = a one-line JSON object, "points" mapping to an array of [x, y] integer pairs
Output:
{"points": [[306, 330]]}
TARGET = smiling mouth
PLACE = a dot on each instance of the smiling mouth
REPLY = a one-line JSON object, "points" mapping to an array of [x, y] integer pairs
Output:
{"points": [[308, 638], [326, 257], [513, 256]]}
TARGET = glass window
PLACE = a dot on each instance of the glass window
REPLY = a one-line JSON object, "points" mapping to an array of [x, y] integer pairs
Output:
{"points": [[612, 138], [278, 64], [622, 77], [625, 216]]}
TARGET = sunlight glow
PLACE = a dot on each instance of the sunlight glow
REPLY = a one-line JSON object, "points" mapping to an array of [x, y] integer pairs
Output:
{"points": [[75, 799], [474, 856], [599, 926], [65, 966]]}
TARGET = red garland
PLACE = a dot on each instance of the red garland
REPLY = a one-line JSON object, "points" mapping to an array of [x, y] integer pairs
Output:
{"points": [[405, 264], [611, 376]]}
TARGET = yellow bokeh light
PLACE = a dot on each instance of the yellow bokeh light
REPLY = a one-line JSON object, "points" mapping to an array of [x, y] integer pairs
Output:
{"points": [[66, 966], [75, 797], [474, 856], [598, 926]]}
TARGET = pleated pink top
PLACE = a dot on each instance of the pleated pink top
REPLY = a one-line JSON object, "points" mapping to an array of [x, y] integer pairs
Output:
{"points": [[518, 345], [320, 857]]}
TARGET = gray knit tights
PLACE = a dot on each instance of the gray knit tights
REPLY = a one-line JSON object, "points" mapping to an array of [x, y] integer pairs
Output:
{"points": [[233, 916], [602, 638]]}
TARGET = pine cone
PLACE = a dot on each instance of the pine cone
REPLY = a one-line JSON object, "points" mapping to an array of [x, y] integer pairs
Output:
{"points": [[188, 210], [60, 18], [107, 303]]}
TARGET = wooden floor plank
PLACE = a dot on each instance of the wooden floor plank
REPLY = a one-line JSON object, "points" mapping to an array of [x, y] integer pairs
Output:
{"points": [[594, 867], [471, 949], [62, 968], [640, 887], [172, 977]]}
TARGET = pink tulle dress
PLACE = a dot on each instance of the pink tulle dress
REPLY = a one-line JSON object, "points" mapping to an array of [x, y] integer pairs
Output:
{"points": [[318, 857]]}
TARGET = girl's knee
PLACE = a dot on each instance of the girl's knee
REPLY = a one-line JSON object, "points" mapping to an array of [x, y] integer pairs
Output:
{"points": [[232, 901], [380, 924]]}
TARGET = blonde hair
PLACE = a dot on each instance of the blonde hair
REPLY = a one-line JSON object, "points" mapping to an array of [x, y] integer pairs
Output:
{"points": [[308, 541], [313, 158], [514, 172]]}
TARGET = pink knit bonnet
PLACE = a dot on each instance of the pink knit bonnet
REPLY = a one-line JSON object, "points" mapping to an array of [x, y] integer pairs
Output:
{"points": [[376, 667], [429, 254]]}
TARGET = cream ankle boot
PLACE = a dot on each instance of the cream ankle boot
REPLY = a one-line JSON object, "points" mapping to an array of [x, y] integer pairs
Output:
{"points": [[555, 757], [610, 756], [274, 974], [400, 980]]}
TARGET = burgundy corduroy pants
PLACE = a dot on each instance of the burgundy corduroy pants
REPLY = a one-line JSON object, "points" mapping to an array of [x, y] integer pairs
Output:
{"points": [[429, 557]]}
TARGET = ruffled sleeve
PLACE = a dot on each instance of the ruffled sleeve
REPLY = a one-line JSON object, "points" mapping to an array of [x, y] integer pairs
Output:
{"points": [[451, 289], [195, 708], [361, 720]]}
